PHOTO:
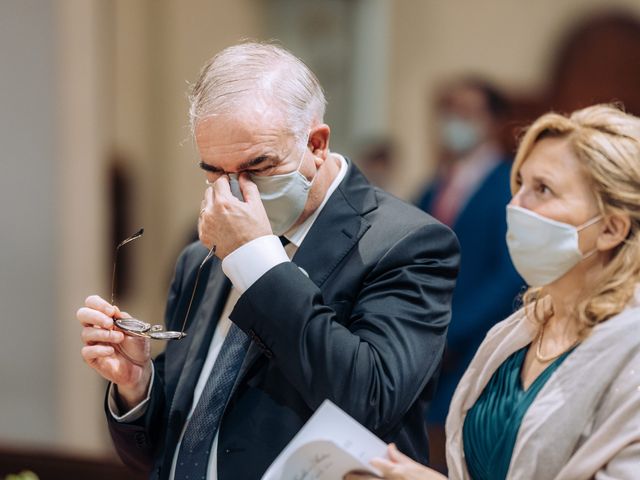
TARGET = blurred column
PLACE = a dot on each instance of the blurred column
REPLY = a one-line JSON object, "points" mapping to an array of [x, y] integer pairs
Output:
{"points": [[370, 69], [322, 35], [83, 118], [28, 313]]}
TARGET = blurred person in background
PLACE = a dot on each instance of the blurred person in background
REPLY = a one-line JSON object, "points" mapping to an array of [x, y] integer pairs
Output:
{"points": [[469, 193], [554, 390], [351, 303], [377, 161]]}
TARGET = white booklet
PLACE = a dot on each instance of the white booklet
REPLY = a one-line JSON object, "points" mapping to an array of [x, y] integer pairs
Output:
{"points": [[330, 445]]}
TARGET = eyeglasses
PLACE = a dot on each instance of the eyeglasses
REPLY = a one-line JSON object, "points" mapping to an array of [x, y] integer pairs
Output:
{"points": [[137, 328]]}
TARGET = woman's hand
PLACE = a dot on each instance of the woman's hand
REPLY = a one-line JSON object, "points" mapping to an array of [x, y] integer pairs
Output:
{"points": [[398, 467]]}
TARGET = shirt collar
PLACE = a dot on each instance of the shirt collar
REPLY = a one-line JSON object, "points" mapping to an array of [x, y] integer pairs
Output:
{"points": [[297, 235]]}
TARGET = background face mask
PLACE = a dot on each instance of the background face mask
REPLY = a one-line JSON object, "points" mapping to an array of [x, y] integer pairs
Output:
{"points": [[542, 250], [458, 135]]}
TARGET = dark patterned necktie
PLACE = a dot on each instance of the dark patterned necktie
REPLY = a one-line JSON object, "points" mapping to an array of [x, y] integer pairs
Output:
{"points": [[195, 449], [193, 457]]}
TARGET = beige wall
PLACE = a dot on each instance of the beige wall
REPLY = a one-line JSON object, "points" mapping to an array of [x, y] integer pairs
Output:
{"points": [[511, 42]]}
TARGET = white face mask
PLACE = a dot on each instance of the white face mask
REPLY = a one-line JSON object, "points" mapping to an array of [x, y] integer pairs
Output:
{"points": [[543, 250], [283, 196]]}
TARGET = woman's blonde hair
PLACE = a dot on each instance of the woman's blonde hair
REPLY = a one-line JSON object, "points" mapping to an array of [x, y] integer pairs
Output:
{"points": [[606, 141]]}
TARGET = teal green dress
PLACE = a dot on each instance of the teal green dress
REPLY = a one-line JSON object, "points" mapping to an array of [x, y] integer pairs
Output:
{"points": [[491, 425]]}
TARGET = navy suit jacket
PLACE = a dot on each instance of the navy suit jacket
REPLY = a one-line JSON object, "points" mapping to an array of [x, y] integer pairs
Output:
{"points": [[366, 329], [487, 285]]}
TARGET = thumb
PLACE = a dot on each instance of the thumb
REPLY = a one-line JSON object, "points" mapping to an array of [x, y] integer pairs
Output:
{"points": [[249, 189], [396, 455]]}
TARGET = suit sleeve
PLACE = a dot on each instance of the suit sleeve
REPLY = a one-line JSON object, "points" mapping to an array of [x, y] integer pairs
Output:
{"points": [[137, 441], [375, 367]]}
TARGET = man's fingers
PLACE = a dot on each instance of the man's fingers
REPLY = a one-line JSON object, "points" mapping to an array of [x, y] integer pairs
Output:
{"points": [[92, 335], [248, 188], [90, 317], [92, 352], [222, 189], [98, 303], [207, 202]]}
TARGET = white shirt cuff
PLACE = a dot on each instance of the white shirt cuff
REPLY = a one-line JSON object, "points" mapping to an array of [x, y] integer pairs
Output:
{"points": [[136, 412], [246, 264]]}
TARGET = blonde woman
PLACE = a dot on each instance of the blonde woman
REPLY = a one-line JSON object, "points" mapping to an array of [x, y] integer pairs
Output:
{"points": [[554, 390]]}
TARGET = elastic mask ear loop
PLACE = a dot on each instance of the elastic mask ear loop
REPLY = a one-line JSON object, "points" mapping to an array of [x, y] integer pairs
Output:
{"points": [[304, 150], [299, 163], [587, 224], [301, 158]]}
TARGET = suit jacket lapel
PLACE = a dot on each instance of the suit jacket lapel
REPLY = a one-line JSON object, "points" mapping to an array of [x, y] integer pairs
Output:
{"points": [[335, 232], [339, 226], [200, 333]]}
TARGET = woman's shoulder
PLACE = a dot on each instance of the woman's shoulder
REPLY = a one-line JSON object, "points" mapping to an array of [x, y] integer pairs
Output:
{"points": [[518, 320], [620, 329], [504, 338]]}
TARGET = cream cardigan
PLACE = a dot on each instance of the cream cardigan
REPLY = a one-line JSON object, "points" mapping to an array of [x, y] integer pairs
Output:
{"points": [[584, 423]]}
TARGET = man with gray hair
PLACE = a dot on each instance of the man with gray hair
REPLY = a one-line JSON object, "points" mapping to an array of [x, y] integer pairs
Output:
{"points": [[322, 286]]}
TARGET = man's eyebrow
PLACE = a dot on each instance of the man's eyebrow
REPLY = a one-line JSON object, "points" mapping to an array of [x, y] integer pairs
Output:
{"points": [[244, 166], [208, 168], [256, 161]]}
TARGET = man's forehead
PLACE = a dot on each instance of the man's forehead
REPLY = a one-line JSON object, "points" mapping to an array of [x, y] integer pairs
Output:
{"points": [[236, 138], [238, 125]]}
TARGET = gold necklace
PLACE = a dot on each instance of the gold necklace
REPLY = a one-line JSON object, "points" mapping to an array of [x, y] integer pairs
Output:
{"points": [[543, 359]]}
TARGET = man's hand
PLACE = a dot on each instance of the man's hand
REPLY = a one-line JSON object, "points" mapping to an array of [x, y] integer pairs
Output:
{"points": [[398, 467], [229, 223], [121, 359]]}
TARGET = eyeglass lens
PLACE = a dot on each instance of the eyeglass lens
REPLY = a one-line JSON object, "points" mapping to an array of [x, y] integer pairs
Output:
{"points": [[137, 328]]}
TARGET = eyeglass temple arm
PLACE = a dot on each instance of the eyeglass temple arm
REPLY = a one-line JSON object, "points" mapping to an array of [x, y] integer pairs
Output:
{"points": [[195, 286], [138, 234]]}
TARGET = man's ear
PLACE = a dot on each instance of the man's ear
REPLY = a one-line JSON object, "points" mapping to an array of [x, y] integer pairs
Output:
{"points": [[319, 141], [616, 229]]}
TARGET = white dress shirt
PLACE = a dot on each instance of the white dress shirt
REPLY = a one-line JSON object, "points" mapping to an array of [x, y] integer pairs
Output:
{"points": [[244, 266]]}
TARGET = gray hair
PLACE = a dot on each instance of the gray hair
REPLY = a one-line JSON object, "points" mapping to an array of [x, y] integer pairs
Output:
{"points": [[259, 74]]}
